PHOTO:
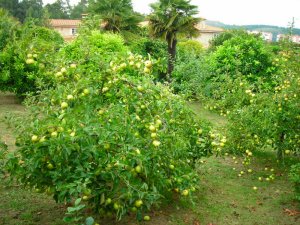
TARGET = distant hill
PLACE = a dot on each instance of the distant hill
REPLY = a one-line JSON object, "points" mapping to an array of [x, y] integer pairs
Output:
{"points": [[264, 28]]}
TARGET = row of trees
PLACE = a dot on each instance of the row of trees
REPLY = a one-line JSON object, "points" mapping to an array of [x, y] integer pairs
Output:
{"points": [[167, 20], [25, 9], [61, 9]]}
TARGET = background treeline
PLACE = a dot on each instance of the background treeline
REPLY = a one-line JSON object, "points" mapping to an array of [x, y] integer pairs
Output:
{"points": [[61, 9], [258, 27]]}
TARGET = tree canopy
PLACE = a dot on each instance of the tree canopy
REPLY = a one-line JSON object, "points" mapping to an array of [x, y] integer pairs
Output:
{"points": [[117, 15], [23, 9], [57, 10], [168, 19]]}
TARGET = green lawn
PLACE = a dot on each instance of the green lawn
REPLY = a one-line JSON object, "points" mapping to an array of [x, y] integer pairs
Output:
{"points": [[222, 196]]}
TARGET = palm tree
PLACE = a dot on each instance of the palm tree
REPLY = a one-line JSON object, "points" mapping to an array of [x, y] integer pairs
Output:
{"points": [[117, 15], [168, 19]]}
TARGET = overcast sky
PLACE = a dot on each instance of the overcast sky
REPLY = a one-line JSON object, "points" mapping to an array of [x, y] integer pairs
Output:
{"points": [[239, 12]]}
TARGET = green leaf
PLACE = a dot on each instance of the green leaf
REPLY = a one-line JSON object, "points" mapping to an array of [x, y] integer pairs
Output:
{"points": [[77, 202], [102, 200], [68, 219]]}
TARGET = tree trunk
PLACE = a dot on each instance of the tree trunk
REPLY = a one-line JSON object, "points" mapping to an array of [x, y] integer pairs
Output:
{"points": [[171, 58], [280, 147]]}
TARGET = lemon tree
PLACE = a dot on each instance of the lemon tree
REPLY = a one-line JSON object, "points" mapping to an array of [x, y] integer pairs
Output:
{"points": [[26, 59], [110, 135]]}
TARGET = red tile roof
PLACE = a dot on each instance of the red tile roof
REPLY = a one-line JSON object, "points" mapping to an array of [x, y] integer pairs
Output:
{"points": [[64, 23]]}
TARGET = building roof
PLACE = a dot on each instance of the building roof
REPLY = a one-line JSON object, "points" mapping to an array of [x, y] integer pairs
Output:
{"points": [[64, 23], [203, 28]]}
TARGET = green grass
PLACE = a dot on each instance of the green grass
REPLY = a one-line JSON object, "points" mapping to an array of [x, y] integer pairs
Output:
{"points": [[217, 121], [228, 199], [9, 106], [23, 207], [222, 197]]}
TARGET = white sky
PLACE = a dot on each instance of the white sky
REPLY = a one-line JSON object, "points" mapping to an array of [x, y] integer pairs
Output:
{"points": [[239, 12]]}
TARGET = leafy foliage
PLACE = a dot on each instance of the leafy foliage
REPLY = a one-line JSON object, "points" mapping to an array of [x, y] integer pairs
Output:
{"points": [[57, 10], [108, 134], [245, 54], [171, 18], [23, 9], [117, 15], [191, 71], [224, 36], [189, 47], [154, 47], [79, 9], [8, 28], [93, 48], [271, 117], [26, 58]]}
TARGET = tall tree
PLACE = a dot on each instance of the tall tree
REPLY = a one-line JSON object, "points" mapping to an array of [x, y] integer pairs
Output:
{"points": [[8, 28], [10, 5], [57, 10], [168, 19], [33, 8], [117, 15], [79, 9], [22, 9]]}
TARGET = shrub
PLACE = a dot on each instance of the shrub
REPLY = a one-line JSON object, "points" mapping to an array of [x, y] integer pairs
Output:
{"points": [[246, 55], [103, 45], [271, 117], [189, 47], [224, 36], [190, 73], [110, 136], [8, 28], [25, 60], [144, 46], [154, 47]]}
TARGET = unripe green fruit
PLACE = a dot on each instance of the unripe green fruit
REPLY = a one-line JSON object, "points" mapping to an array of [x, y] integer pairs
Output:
{"points": [[172, 167], [29, 61], [185, 192], [138, 169], [64, 105], [138, 203], [147, 218], [34, 138]]}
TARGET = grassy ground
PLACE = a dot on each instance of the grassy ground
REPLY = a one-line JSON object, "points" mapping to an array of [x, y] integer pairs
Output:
{"points": [[8, 105], [222, 197], [217, 121]]}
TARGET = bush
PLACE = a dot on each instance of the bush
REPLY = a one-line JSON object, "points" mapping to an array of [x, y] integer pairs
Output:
{"points": [[8, 28], [190, 73], [246, 55], [110, 136], [25, 60], [190, 47], [104, 46], [295, 178], [190, 70], [270, 118], [154, 47], [224, 36]]}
